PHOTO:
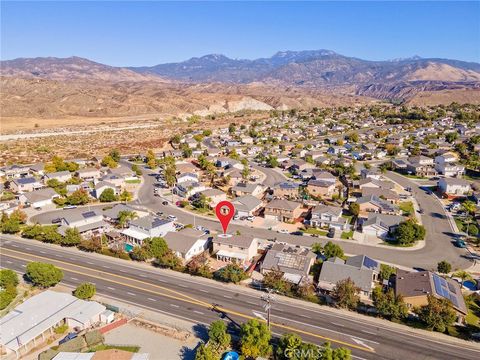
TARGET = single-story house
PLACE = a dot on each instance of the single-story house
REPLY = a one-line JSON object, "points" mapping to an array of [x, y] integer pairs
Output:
{"points": [[246, 205], [25, 184], [380, 225], [84, 220], [61, 176], [294, 262], [243, 188], [147, 227], [38, 198], [187, 243], [234, 248]]}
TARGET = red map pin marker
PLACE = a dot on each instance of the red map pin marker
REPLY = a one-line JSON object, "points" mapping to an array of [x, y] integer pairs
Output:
{"points": [[225, 211]]}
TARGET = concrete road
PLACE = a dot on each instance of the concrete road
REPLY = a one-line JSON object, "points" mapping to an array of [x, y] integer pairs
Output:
{"points": [[191, 298]]}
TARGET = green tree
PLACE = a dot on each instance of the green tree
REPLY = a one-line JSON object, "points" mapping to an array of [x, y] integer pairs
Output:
{"points": [[7, 295], [8, 278], [115, 155], [345, 293], [108, 195], [288, 346], [140, 253], [354, 208], [451, 137], [389, 305], [85, 291], [218, 337], [9, 225], [444, 267], [125, 216], [272, 161], [136, 170], [231, 273], [386, 271], [274, 280], [437, 315], [463, 275], [108, 161], [333, 250], [407, 232], [205, 352], [255, 339], [72, 237], [78, 197], [125, 196], [340, 353], [43, 274], [158, 247]]}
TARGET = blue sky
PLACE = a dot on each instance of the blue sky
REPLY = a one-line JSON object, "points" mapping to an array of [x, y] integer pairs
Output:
{"points": [[148, 33]]}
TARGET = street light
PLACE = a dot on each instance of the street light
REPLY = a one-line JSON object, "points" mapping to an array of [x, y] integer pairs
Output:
{"points": [[268, 299]]}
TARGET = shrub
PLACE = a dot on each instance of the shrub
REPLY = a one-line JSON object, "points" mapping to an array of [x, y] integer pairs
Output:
{"points": [[43, 274]]}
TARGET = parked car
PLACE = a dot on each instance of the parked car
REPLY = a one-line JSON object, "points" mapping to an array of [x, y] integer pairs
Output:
{"points": [[250, 218], [331, 233], [164, 202], [297, 233], [460, 243], [159, 213], [283, 231], [69, 207], [56, 220], [172, 217], [69, 337]]}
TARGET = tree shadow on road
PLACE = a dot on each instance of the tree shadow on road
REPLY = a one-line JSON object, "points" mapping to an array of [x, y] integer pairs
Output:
{"points": [[437, 215], [187, 354], [200, 331]]}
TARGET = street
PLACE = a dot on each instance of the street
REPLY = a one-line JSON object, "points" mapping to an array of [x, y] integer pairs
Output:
{"points": [[191, 298]]}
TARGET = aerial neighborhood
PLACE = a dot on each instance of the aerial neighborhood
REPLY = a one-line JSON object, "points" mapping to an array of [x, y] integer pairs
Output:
{"points": [[317, 202]]}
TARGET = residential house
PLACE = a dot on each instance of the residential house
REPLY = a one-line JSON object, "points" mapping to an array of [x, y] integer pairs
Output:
{"points": [[89, 174], [328, 216], [214, 196], [454, 187], [33, 321], [381, 193], [370, 174], [446, 165], [14, 171], [38, 198], [188, 188], [187, 177], [380, 225], [421, 166], [375, 204], [61, 176], [286, 190], [363, 183], [234, 248], [147, 227], [243, 188], [247, 205], [293, 262], [320, 188], [415, 287], [283, 210], [86, 221], [362, 270], [187, 243], [101, 186], [112, 214], [25, 184]]}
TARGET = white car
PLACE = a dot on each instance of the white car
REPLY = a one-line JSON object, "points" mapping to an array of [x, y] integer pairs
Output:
{"points": [[283, 231], [250, 218], [172, 217]]}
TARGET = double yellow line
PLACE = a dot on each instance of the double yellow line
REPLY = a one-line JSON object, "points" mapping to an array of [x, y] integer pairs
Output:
{"points": [[176, 295]]}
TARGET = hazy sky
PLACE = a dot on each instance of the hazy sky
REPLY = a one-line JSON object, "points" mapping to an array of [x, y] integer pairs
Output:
{"points": [[148, 33]]}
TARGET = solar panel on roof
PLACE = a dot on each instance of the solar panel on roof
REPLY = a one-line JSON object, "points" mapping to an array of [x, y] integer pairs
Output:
{"points": [[89, 214], [369, 263]]}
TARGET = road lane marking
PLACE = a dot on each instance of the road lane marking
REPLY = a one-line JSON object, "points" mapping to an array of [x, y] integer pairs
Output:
{"points": [[43, 252], [151, 299], [111, 288], [203, 290], [227, 297], [185, 298], [337, 324], [106, 267], [175, 306], [198, 312], [90, 263], [75, 279], [368, 332], [360, 342], [130, 293], [9, 262]]}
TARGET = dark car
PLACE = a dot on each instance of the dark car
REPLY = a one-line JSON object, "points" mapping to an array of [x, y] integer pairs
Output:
{"points": [[68, 338], [56, 220], [164, 202], [297, 233], [460, 243], [331, 233]]}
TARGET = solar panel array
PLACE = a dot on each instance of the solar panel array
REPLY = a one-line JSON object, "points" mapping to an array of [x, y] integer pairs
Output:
{"points": [[444, 289], [89, 214], [369, 263], [292, 261]]}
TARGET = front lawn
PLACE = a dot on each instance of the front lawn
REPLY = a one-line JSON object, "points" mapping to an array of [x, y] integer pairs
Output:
{"points": [[347, 235], [407, 207], [314, 231], [129, 348], [135, 181]]}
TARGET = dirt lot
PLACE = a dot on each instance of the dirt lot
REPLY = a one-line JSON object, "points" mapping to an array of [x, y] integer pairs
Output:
{"points": [[158, 346]]}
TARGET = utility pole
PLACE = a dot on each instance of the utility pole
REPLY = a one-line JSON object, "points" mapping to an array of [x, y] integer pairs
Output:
{"points": [[268, 299]]}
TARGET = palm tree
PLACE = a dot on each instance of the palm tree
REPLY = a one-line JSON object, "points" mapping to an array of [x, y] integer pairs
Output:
{"points": [[470, 208], [125, 216], [462, 274]]}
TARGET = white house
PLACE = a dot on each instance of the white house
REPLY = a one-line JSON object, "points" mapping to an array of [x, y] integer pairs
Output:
{"points": [[147, 227], [101, 186], [446, 165], [38, 198], [84, 220], [187, 243], [26, 184], [328, 216], [454, 187], [61, 176]]}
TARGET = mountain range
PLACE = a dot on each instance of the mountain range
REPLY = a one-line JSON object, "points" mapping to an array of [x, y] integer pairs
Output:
{"points": [[74, 86]]}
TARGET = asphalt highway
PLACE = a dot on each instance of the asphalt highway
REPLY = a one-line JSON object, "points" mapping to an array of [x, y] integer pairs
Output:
{"points": [[190, 298]]}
